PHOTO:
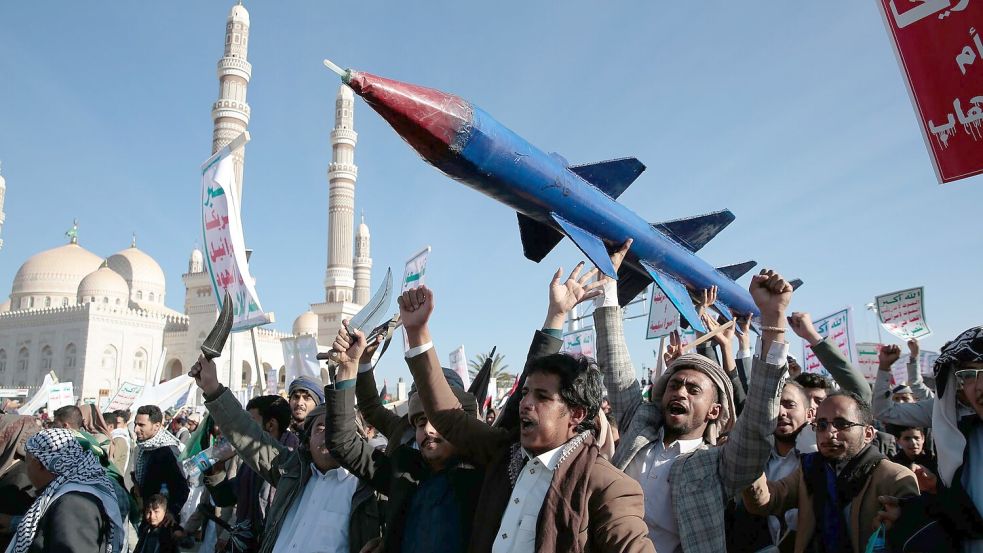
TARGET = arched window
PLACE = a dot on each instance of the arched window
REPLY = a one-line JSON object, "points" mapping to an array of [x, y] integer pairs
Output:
{"points": [[140, 361], [46, 355], [3, 360], [30, 303], [105, 300], [64, 302], [282, 378], [151, 296], [174, 370], [247, 372], [47, 301], [23, 359], [109, 358], [139, 294], [70, 353]]}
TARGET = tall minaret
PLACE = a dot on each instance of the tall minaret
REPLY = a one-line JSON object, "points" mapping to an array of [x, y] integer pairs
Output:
{"points": [[3, 192], [339, 281], [231, 112], [363, 264]]}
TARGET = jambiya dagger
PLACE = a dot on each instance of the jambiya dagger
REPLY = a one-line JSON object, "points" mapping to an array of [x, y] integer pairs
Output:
{"points": [[554, 199]]}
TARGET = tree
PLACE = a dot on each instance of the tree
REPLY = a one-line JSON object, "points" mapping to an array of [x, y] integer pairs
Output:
{"points": [[503, 379]]}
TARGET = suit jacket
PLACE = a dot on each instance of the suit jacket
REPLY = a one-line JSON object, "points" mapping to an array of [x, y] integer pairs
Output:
{"points": [[162, 468], [614, 506], [774, 498], [704, 480]]}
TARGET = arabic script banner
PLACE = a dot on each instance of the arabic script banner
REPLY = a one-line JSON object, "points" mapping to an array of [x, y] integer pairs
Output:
{"points": [[225, 249], [663, 316], [580, 342], [835, 328], [903, 313], [940, 51]]}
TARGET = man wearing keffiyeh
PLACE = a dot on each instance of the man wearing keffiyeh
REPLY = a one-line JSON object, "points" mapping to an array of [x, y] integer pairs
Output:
{"points": [[76, 509], [156, 462]]}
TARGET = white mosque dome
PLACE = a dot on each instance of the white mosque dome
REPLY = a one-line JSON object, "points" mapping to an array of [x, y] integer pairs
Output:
{"points": [[239, 13], [142, 274], [48, 278], [104, 286], [363, 229], [306, 323]]}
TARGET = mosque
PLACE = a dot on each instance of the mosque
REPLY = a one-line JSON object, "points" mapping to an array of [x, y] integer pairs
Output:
{"points": [[98, 322]]}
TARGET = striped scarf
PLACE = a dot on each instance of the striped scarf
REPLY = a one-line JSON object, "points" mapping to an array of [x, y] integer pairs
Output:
{"points": [[163, 438]]}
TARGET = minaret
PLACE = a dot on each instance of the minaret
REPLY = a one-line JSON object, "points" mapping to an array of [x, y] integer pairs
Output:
{"points": [[231, 112], [3, 192], [339, 280], [363, 264]]}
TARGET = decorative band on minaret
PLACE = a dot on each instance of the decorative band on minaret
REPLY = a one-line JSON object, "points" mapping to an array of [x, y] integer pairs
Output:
{"points": [[339, 280], [3, 192], [231, 112]]}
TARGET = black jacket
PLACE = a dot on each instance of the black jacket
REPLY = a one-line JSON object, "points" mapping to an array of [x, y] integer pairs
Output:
{"points": [[162, 468], [74, 523]]}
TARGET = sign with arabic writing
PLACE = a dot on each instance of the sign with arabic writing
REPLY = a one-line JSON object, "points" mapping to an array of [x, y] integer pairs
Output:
{"points": [[225, 249], [459, 364], [125, 396], [663, 316], [836, 328], [60, 395], [580, 342], [941, 56], [415, 272], [867, 359], [926, 362], [903, 313]]}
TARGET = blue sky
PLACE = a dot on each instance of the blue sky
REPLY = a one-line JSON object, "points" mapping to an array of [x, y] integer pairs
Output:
{"points": [[796, 119]]}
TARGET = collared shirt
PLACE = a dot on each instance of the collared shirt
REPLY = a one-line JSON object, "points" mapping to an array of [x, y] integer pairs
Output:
{"points": [[318, 519], [779, 467], [651, 469], [517, 531]]}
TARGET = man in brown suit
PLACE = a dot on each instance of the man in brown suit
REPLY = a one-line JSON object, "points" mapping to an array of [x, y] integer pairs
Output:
{"points": [[836, 489], [546, 488]]}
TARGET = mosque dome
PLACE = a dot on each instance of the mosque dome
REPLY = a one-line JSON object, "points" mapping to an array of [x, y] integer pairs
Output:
{"points": [[197, 262], [306, 323], [142, 274], [239, 13], [104, 285], [346, 93], [53, 276]]}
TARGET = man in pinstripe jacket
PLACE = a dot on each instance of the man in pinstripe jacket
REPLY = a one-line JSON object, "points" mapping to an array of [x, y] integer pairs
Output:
{"points": [[669, 445]]}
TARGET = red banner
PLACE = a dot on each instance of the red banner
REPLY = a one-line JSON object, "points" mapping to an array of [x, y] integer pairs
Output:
{"points": [[940, 49]]}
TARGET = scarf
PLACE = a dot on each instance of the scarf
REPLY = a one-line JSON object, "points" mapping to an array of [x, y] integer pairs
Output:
{"points": [[163, 438], [831, 493], [725, 391], [92, 420], [60, 453], [950, 442]]}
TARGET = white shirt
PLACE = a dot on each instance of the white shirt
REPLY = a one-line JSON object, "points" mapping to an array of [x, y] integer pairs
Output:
{"points": [[517, 531], [779, 467], [317, 522], [650, 468]]}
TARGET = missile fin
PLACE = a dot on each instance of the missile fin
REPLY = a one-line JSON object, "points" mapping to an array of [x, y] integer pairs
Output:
{"points": [[591, 245], [538, 240], [631, 281], [795, 283], [694, 232], [613, 176], [723, 310], [677, 294], [737, 270]]}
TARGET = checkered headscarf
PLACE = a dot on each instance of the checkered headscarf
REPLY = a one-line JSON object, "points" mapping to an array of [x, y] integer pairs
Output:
{"points": [[61, 454]]}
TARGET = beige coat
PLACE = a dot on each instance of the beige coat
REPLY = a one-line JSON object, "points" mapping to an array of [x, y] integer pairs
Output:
{"points": [[774, 498]]}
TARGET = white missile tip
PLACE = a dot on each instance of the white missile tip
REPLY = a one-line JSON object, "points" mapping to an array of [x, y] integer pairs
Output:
{"points": [[335, 69]]}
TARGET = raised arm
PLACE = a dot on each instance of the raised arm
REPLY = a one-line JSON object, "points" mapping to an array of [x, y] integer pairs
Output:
{"points": [[844, 374], [256, 447], [369, 402], [884, 407], [745, 453], [473, 438], [775, 497], [915, 380]]}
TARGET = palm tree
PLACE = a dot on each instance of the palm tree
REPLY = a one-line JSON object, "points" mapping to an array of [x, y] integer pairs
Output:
{"points": [[503, 379]]}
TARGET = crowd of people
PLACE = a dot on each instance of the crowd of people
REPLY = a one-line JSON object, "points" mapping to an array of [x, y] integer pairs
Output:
{"points": [[730, 448]]}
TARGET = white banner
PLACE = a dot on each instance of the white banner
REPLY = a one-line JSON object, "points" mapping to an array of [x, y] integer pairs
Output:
{"points": [[837, 329], [60, 395], [164, 395], [124, 398], [40, 398], [903, 313], [459, 364], [580, 342], [663, 316], [926, 364], [415, 272], [225, 250], [867, 362], [300, 358]]}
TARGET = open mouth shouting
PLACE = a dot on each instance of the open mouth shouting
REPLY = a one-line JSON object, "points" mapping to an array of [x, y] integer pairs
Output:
{"points": [[526, 425], [677, 410]]}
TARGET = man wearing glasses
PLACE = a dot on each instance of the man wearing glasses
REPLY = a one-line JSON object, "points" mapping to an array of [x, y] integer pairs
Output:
{"points": [[950, 520], [836, 490]]}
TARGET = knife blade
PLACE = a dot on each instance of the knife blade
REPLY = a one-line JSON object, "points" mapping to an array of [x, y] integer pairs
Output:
{"points": [[215, 342]]}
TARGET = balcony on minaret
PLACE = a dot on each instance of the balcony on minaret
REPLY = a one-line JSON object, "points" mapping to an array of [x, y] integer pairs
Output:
{"points": [[344, 136], [231, 108], [342, 170], [234, 66]]}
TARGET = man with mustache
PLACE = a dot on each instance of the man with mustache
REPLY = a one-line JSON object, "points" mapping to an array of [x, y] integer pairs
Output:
{"points": [[668, 445], [432, 492], [836, 490]]}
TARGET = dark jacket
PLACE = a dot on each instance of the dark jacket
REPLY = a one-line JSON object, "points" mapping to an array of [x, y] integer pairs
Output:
{"points": [[155, 540], [399, 476], [162, 468], [394, 427], [74, 523], [288, 471]]}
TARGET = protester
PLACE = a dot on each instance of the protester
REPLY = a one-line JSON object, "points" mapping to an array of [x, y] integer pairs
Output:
{"points": [[305, 394], [547, 488], [94, 424], [155, 536], [903, 414], [119, 443], [432, 493], [76, 509], [836, 490], [668, 445], [16, 490], [846, 376], [490, 416], [179, 428], [318, 506], [156, 469]]}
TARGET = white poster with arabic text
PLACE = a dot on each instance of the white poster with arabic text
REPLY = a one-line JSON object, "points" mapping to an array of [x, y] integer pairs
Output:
{"points": [[663, 316], [837, 329], [580, 342], [903, 313]]}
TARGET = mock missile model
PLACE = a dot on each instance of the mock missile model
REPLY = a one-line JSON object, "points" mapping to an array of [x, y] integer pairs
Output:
{"points": [[554, 199]]}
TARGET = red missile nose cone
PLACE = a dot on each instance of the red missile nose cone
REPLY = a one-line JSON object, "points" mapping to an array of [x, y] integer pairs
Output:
{"points": [[434, 123]]}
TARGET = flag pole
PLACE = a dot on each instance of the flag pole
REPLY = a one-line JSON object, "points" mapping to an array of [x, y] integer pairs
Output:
{"points": [[259, 368]]}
